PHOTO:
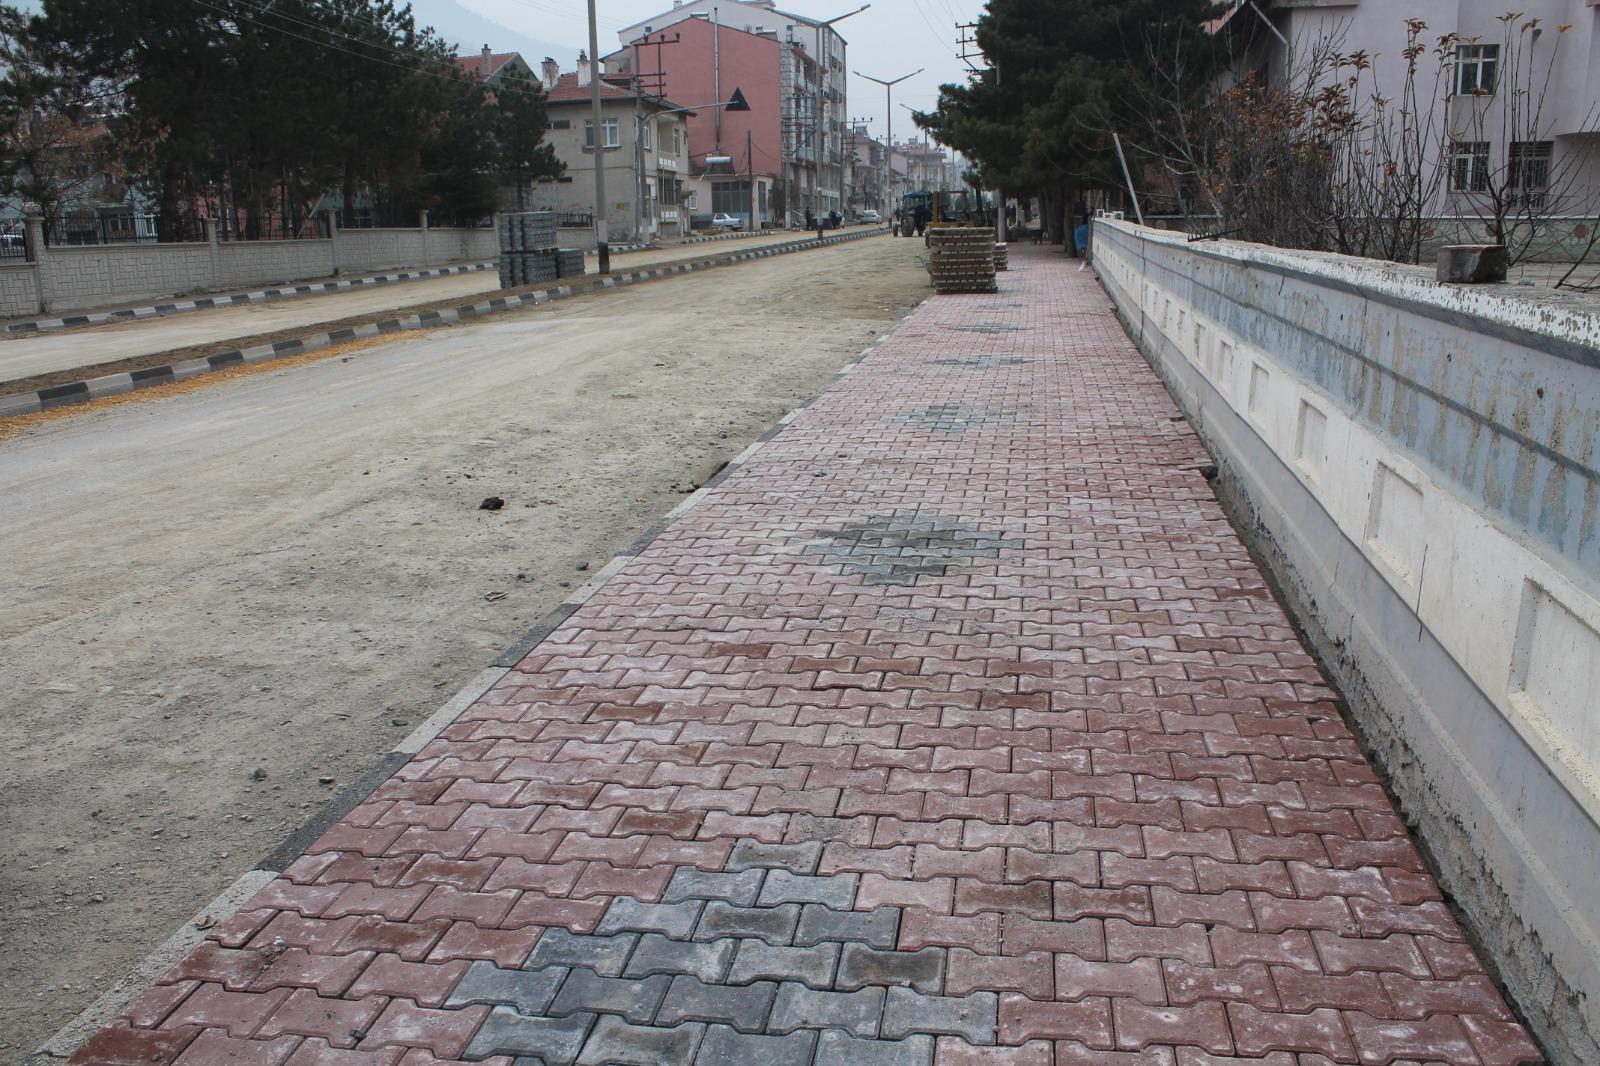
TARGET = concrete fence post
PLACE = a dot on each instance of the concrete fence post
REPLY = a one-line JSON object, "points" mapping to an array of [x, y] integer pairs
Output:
{"points": [[209, 226], [423, 222], [333, 239], [38, 254]]}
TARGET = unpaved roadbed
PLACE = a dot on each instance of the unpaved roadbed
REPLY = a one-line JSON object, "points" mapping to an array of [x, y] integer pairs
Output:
{"points": [[289, 571]]}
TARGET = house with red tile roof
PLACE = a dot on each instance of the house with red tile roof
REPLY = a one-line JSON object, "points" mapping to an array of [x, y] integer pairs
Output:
{"points": [[645, 139]]}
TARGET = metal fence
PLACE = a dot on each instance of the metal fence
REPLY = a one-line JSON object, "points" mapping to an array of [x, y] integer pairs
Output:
{"points": [[574, 219], [13, 240]]}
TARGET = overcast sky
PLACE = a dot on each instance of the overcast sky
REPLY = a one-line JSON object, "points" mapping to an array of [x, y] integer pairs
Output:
{"points": [[891, 38]]}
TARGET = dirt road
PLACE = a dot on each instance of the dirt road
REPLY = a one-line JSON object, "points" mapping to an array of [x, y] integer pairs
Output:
{"points": [[25, 355], [285, 573]]}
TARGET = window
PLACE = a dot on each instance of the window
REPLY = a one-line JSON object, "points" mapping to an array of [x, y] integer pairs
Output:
{"points": [[677, 140], [612, 134], [1476, 68], [1530, 170], [1469, 167], [647, 133], [561, 124], [730, 197]]}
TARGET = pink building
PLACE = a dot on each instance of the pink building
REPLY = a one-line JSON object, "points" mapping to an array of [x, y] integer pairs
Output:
{"points": [[696, 62]]}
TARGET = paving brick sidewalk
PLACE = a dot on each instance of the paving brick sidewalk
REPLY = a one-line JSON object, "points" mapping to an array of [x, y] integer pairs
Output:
{"points": [[956, 727]]}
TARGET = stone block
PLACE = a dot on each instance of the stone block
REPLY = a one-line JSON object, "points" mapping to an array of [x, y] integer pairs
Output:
{"points": [[529, 991], [635, 1000], [922, 970], [605, 955], [796, 858], [740, 889], [775, 925], [837, 891], [842, 1049], [879, 927], [974, 1017], [723, 1046], [555, 1041], [757, 960], [657, 954], [745, 1007], [1472, 264], [614, 1042], [799, 1007], [625, 914]]}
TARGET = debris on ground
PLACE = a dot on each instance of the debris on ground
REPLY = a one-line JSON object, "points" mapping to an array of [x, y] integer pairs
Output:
{"points": [[491, 503], [491, 597], [258, 774]]}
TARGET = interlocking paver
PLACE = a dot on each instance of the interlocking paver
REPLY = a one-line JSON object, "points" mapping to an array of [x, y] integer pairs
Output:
{"points": [[956, 717]]}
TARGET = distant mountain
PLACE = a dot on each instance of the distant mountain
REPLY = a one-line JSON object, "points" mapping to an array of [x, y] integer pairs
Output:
{"points": [[470, 31]]}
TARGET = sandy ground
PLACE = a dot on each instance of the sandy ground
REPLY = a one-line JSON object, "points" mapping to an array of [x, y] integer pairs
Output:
{"points": [[288, 571], [25, 355]]}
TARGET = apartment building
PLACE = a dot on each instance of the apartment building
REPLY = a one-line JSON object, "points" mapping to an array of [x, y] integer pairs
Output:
{"points": [[1515, 102], [701, 41]]}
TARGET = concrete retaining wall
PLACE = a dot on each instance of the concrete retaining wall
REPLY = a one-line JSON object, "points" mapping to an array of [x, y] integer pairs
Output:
{"points": [[73, 278], [1417, 465]]}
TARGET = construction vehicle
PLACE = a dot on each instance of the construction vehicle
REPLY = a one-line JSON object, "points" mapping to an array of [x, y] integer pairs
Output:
{"points": [[921, 209]]}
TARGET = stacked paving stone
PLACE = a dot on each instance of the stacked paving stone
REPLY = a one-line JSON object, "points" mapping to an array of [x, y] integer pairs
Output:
{"points": [[569, 262], [955, 727], [961, 259], [1001, 258], [528, 254]]}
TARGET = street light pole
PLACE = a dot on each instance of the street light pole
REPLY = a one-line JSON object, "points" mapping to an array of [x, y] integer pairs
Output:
{"points": [[825, 71], [888, 123], [602, 246]]}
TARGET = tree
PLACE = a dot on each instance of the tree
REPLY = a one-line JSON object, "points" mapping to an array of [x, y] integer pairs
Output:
{"points": [[1058, 84], [52, 143]]}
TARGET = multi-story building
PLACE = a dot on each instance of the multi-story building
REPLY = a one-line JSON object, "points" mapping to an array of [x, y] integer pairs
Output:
{"points": [[645, 139], [1514, 105], [701, 40]]}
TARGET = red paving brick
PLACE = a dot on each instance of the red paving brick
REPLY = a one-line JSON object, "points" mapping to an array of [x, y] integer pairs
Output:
{"points": [[971, 639]]}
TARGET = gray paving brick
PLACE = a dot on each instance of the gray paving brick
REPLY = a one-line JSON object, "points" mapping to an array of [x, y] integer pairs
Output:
{"points": [[796, 858], [775, 925], [671, 919], [879, 927], [842, 1049], [922, 970], [837, 891], [530, 991], [723, 1046], [973, 1016], [757, 960], [554, 1041], [799, 1007], [634, 999], [739, 889], [605, 955], [657, 954], [616, 1043], [745, 1007]]}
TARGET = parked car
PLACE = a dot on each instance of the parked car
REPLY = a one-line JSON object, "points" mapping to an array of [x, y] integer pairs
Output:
{"points": [[721, 220], [868, 217]]}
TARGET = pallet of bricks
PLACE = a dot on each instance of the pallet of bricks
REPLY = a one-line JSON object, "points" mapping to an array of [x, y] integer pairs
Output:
{"points": [[1002, 259], [961, 259], [528, 252]]}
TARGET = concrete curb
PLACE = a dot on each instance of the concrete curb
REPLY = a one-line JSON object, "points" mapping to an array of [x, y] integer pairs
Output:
{"points": [[25, 403], [103, 1010], [202, 303]]}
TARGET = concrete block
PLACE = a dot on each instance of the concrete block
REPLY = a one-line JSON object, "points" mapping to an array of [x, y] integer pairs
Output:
{"points": [[605, 955], [972, 1017], [878, 927], [555, 1041], [775, 925], [799, 1007], [636, 1000], [813, 966], [1472, 264], [745, 1007], [723, 1046], [842, 1049], [656, 954]]}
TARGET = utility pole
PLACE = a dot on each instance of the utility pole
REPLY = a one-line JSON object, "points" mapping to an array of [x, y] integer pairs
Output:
{"points": [[750, 178], [601, 244], [824, 76], [888, 122]]}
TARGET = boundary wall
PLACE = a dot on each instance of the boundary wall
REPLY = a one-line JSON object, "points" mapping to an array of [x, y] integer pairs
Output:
{"points": [[1416, 465], [67, 278]]}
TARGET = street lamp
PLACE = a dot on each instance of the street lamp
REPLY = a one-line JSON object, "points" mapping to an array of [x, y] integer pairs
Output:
{"points": [[822, 105], [888, 120]]}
